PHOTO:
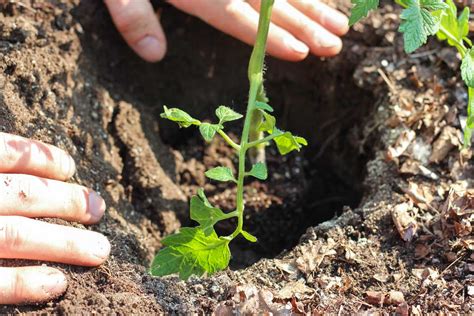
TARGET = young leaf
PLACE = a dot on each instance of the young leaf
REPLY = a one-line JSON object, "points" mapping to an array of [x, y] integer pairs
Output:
{"points": [[226, 114], [448, 21], [203, 198], [286, 143], [205, 214], [268, 123], [418, 22], [463, 23], [249, 236], [458, 27], [467, 68], [179, 116], [301, 140], [208, 131], [191, 252], [361, 9], [263, 106], [259, 171], [220, 174]]}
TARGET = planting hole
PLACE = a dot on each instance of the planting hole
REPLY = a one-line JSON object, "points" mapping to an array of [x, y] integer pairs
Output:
{"points": [[204, 69]]}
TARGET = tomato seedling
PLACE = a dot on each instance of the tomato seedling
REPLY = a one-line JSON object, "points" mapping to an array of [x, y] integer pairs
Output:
{"points": [[199, 250], [423, 18]]}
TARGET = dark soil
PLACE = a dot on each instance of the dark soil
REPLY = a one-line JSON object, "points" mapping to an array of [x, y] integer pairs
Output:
{"points": [[68, 79]]}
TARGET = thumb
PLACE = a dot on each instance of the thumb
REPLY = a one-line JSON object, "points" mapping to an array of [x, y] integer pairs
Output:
{"points": [[139, 26]]}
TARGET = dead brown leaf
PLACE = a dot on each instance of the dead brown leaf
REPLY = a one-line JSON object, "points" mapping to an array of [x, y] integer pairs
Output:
{"points": [[401, 145], [422, 251], [405, 224], [294, 289], [381, 277], [447, 140], [375, 298], [252, 301], [313, 254]]}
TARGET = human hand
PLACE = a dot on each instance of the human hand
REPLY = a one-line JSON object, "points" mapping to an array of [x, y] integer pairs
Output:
{"points": [[298, 26], [31, 175]]}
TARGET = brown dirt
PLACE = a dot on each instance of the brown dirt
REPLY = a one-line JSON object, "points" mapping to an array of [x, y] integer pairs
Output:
{"points": [[68, 79]]}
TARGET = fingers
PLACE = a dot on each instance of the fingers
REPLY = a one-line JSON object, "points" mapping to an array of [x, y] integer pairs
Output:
{"points": [[331, 19], [240, 20], [30, 285], [21, 155], [30, 196], [321, 41], [24, 238], [139, 26]]}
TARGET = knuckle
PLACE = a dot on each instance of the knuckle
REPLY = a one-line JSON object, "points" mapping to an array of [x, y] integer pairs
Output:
{"points": [[11, 237], [307, 27], [233, 9], [132, 19], [76, 203], [22, 189], [71, 247], [19, 286], [9, 150]]}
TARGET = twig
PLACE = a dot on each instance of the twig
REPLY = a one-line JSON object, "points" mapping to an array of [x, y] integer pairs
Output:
{"points": [[387, 80], [449, 267], [20, 4], [423, 54]]}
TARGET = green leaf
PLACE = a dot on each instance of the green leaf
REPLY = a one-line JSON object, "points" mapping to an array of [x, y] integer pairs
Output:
{"points": [[263, 106], [286, 143], [268, 123], [249, 236], [403, 3], [208, 131], [463, 23], [191, 252], [226, 114], [418, 22], [205, 214], [301, 140], [220, 174], [458, 27], [203, 198], [179, 116], [361, 9], [467, 68], [448, 21], [259, 171]]}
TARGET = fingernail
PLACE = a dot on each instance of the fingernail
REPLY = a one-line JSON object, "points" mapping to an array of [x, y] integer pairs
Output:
{"points": [[327, 40], [149, 47], [296, 45], [100, 248], [96, 206], [54, 283]]}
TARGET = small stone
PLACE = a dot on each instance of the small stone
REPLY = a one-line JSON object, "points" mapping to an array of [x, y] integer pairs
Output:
{"points": [[395, 298], [470, 290]]}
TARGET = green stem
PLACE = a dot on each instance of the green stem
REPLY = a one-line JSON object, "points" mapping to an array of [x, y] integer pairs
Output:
{"points": [[262, 140], [255, 73], [229, 140], [230, 215], [459, 44], [256, 69]]}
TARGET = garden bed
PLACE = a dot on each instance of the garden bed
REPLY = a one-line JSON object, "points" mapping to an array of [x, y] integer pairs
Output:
{"points": [[326, 219]]}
